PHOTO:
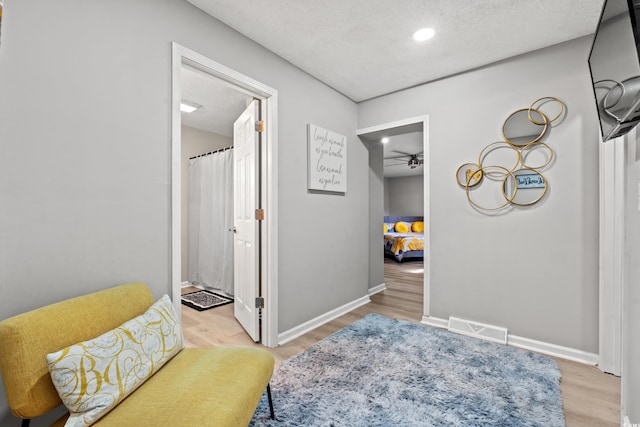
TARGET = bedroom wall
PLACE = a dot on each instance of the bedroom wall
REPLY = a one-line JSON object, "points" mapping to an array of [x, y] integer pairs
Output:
{"points": [[386, 199], [376, 201], [194, 142], [405, 195], [533, 270], [85, 157]]}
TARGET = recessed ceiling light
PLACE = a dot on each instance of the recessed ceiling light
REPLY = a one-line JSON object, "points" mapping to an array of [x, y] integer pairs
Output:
{"points": [[189, 107], [384, 140], [423, 34]]}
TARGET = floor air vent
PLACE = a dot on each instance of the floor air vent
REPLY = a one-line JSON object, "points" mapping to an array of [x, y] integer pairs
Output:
{"points": [[478, 330]]}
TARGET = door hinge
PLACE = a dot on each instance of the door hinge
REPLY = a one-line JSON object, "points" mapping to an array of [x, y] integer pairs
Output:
{"points": [[260, 126], [259, 302], [260, 214]]}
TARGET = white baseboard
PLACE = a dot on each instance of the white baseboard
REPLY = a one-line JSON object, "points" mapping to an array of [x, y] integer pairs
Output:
{"points": [[312, 324], [435, 322], [191, 285], [377, 289], [533, 345], [479, 330], [553, 350]]}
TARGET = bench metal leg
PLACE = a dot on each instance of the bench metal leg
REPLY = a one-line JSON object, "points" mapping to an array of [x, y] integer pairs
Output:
{"points": [[272, 412]]}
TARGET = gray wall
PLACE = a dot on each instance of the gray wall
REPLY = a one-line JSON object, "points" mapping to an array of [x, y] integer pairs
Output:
{"points": [[533, 270], [376, 214], [194, 142], [386, 202], [631, 298], [405, 195], [85, 157]]}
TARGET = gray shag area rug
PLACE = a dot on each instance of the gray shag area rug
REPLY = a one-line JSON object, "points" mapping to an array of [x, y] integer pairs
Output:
{"points": [[385, 372]]}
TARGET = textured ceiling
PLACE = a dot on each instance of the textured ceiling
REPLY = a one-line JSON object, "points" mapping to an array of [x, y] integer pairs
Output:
{"points": [[220, 104], [396, 155], [364, 48], [404, 141]]}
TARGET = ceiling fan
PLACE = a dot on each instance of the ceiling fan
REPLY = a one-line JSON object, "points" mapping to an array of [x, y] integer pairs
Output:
{"points": [[413, 162]]}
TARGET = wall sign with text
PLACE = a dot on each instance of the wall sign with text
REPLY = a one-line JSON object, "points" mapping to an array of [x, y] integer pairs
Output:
{"points": [[327, 160]]}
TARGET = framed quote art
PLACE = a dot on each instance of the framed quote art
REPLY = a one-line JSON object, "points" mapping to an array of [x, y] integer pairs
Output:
{"points": [[327, 160]]}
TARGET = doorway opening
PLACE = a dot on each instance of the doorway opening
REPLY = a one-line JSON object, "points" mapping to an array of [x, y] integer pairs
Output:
{"points": [[399, 155], [188, 67]]}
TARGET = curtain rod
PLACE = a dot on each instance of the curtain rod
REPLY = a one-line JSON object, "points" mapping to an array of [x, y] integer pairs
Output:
{"points": [[211, 152]]}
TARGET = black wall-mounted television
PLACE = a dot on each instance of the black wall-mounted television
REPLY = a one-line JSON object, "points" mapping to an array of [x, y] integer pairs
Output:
{"points": [[614, 62]]}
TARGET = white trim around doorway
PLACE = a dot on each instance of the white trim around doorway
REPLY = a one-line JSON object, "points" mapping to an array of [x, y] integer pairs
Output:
{"points": [[269, 234], [612, 253], [426, 310]]}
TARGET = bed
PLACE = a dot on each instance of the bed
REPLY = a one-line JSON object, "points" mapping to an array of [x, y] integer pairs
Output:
{"points": [[404, 237]]}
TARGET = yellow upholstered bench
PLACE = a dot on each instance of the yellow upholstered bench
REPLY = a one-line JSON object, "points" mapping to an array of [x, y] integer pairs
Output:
{"points": [[219, 386]]}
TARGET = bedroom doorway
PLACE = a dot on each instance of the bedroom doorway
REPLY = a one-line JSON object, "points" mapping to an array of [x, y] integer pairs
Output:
{"points": [[399, 192], [185, 61]]}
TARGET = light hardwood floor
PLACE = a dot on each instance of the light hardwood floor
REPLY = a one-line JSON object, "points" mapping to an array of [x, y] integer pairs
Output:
{"points": [[590, 398]]}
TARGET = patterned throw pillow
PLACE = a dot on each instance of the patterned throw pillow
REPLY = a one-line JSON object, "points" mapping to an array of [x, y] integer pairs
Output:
{"points": [[386, 228], [92, 377], [402, 227], [417, 227]]}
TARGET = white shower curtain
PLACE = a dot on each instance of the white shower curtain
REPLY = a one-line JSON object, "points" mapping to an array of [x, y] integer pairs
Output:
{"points": [[211, 221]]}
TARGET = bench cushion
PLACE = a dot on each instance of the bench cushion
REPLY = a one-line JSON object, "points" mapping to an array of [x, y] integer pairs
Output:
{"points": [[218, 386]]}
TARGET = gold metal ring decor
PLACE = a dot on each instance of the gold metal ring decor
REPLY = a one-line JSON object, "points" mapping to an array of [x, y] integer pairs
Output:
{"points": [[514, 164]]}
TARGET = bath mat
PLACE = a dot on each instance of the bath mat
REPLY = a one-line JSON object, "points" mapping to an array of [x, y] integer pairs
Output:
{"points": [[205, 300]]}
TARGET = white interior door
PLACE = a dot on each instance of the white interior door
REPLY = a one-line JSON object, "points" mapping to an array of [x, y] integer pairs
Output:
{"points": [[245, 143]]}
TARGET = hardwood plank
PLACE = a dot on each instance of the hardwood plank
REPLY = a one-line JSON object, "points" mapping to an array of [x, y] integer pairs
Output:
{"points": [[590, 397]]}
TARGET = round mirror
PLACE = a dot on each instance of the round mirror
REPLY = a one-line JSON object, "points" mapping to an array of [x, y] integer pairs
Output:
{"points": [[469, 174], [518, 130], [524, 187]]}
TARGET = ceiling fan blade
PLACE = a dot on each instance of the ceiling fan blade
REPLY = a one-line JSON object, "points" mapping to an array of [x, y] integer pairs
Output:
{"points": [[407, 154]]}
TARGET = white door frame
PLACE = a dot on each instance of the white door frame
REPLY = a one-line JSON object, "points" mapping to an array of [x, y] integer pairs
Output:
{"points": [[613, 173], [268, 237], [426, 310]]}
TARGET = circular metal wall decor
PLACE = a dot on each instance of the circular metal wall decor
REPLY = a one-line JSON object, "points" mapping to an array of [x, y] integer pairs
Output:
{"points": [[520, 181], [540, 102], [469, 174], [519, 130], [539, 146], [492, 173], [506, 149], [524, 187]]}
